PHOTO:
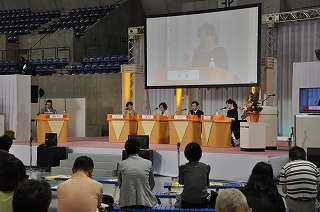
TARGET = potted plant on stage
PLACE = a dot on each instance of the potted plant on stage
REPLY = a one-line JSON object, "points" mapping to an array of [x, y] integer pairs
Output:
{"points": [[252, 107]]}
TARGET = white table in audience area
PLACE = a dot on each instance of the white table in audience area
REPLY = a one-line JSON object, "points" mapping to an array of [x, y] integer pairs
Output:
{"points": [[269, 115], [253, 136]]}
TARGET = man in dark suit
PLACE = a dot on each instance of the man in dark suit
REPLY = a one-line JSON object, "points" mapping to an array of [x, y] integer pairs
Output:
{"points": [[195, 110], [48, 108]]}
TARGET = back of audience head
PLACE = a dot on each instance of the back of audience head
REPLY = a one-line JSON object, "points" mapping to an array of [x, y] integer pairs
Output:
{"points": [[297, 153], [261, 182], [12, 172], [5, 142], [83, 163], [232, 200], [193, 152], [132, 146], [32, 196]]}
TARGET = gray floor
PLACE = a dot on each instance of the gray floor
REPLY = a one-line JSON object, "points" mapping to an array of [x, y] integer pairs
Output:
{"points": [[108, 189]]}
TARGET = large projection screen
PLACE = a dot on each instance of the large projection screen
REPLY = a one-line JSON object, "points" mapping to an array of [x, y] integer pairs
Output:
{"points": [[204, 49]]}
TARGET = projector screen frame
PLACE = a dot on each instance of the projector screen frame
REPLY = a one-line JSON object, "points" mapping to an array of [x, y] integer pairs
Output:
{"points": [[258, 68]]}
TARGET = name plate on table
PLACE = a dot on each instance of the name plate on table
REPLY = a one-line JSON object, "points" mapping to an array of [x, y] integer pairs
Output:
{"points": [[207, 117], [147, 117], [183, 75], [56, 116], [117, 116], [179, 117]]}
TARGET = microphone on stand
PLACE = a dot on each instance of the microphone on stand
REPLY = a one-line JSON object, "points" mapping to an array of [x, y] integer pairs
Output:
{"points": [[156, 108], [268, 96], [193, 51], [223, 108], [178, 145], [184, 109]]}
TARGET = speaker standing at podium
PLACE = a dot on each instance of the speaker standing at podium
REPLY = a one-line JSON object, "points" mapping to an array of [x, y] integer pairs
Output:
{"points": [[48, 109], [233, 113]]}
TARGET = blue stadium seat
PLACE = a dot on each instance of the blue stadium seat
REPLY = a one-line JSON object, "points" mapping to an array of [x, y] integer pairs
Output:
{"points": [[64, 61], [121, 57], [1, 70], [44, 61], [80, 67], [37, 61], [1, 63], [52, 69], [106, 58], [7, 63], [38, 68], [94, 67], [45, 68], [13, 63], [56, 61], [50, 61], [99, 59], [87, 67], [116, 65], [114, 57], [31, 61], [93, 59], [86, 60], [73, 67], [109, 65]]}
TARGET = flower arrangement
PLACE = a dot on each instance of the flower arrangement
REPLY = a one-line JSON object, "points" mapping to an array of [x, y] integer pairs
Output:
{"points": [[252, 104]]}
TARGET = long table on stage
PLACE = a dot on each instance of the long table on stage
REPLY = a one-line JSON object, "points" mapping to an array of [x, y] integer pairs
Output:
{"points": [[154, 125], [184, 129], [216, 131], [52, 123], [120, 126]]}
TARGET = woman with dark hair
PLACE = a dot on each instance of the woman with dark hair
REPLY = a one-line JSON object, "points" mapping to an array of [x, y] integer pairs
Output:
{"points": [[261, 191], [163, 109], [233, 113], [194, 175], [12, 172], [208, 50], [129, 109]]}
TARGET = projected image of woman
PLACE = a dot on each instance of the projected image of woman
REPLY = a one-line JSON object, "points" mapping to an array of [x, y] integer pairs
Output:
{"points": [[208, 53]]}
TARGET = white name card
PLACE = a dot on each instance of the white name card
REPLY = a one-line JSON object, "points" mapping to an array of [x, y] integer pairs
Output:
{"points": [[56, 116], [207, 117], [179, 117], [147, 116], [184, 75], [117, 116]]}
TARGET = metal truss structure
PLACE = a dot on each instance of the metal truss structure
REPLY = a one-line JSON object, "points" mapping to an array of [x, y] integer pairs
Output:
{"points": [[271, 21]]}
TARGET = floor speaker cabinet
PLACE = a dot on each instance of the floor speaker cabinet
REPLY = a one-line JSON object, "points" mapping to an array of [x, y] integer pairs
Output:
{"points": [[313, 155], [146, 154], [50, 156], [51, 139]]}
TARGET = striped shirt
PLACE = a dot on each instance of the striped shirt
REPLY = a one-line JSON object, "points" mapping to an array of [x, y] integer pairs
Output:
{"points": [[301, 179]]}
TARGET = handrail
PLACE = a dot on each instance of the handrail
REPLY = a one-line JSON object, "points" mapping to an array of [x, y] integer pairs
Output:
{"points": [[39, 41]]}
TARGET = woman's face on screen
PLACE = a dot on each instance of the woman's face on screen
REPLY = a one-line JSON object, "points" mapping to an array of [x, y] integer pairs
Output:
{"points": [[205, 40]]}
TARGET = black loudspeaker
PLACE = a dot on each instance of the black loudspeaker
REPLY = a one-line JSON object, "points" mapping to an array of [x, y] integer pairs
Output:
{"points": [[143, 140], [51, 139], [34, 93], [50, 156], [146, 154], [313, 155]]}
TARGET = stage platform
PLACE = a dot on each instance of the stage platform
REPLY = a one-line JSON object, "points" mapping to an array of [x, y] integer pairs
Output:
{"points": [[227, 164]]}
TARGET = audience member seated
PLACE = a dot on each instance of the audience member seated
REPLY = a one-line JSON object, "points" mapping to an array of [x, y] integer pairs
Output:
{"points": [[261, 191], [300, 180], [32, 196], [80, 193], [5, 145], [12, 172], [232, 200], [194, 175], [136, 179]]}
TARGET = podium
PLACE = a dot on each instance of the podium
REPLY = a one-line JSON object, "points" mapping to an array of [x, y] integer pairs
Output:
{"points": [[52, 123], [154, 125], [253, 136], [120, 126], [216, 131], [184, 129], [269, 115]]}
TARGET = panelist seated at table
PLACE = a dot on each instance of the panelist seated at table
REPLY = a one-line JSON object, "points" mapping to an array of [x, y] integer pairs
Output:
{"points": [[48, 109], [129, 109], [195, 109], [163, 109]]}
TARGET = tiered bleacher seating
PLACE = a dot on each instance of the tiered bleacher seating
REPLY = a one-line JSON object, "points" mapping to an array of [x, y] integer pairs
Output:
{"points": [[47, 66], [79, 19], [8, 67], [22, 21], [99, 65]]}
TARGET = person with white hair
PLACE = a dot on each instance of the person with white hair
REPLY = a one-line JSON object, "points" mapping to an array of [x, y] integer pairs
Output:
{"points": [[232, 200]]}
